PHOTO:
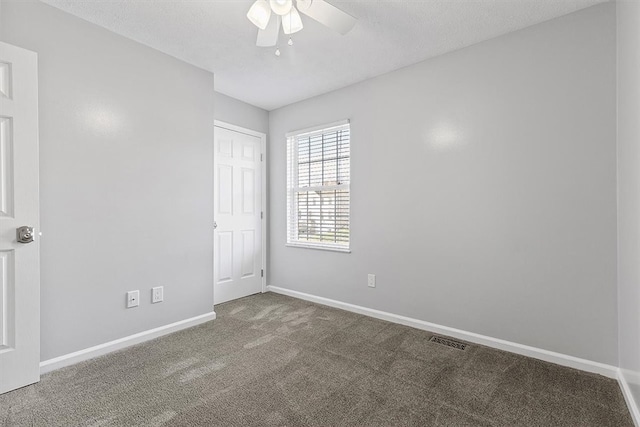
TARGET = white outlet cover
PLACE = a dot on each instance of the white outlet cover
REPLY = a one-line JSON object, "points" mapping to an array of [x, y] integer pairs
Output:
{"points": [[371, 280], [133, 299], [157, 294]]}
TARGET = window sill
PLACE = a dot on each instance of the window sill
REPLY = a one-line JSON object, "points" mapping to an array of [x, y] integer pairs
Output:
{"points": [[318, 247]]}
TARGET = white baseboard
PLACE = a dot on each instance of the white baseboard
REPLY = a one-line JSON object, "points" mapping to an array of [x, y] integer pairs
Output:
{"points": [[524, 350], [108, 347], [628, 397]]}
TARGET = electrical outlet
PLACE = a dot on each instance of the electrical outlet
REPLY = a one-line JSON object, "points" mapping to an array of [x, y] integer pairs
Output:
{"points": [[157, 294], [371, 280], [133, 299]]}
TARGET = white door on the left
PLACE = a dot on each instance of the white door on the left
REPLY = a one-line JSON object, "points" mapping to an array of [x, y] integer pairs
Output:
{"points": [[237, 206], [19, 262]]}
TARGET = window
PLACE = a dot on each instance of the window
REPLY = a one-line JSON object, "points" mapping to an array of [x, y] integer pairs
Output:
{"points": [[318, 197]]}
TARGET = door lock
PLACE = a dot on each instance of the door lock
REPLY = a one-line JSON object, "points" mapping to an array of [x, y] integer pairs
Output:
{"points": [[24, 234]]}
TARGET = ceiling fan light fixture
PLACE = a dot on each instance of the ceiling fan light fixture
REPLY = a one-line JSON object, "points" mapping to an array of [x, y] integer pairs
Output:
{"points": [[292, 23], [288, 11], [259, 14], [281, 7]]}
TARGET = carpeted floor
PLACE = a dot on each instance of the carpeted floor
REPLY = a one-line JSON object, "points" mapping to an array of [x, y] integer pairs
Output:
{"points": [[274, 360]]}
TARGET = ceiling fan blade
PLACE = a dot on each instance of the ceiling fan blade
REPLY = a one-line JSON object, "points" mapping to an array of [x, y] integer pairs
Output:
{"points": [[269, 36], [329, 15]]}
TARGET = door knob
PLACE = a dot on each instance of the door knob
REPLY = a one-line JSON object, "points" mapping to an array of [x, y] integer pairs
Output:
{"points": [[215, 225], [24, 234]]}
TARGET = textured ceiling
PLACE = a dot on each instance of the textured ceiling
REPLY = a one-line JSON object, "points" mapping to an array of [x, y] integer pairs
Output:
{"points": [[215, 35]]}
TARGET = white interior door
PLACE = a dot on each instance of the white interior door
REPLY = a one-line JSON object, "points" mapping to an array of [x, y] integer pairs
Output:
{"points": [[19, 262], [237, 205]]}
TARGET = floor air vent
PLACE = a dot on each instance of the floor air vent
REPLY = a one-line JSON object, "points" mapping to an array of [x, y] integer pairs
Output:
{"points": [[448, 342]]}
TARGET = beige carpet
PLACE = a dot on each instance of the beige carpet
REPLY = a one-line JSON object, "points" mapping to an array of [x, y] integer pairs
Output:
{"points": [[274, 360]]}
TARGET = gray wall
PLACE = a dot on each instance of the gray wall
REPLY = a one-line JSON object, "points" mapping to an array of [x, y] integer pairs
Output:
{"points": [[629, 191], [126, 191], [499, 160], [483, 189], [236, 112]]}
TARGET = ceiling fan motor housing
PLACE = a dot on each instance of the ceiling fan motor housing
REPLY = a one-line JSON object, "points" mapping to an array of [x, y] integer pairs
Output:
{"points": [[281, 7], [303, 4]]}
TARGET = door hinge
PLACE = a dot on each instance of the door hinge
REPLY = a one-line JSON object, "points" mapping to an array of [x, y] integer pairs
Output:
{"points": [[261, 157], [261, 273], [261, 215]]}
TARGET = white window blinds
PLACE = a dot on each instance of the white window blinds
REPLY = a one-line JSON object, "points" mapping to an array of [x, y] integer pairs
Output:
{"points": [[318, 197]]}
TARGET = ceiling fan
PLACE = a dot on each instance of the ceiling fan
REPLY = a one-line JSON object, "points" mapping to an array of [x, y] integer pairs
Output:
{"points": [[268, 15]]}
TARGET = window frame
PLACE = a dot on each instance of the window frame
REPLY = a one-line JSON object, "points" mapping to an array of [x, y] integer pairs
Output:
{"points": [[292, 148]]}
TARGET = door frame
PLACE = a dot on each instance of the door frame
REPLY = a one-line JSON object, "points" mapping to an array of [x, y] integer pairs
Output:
{"points": [[263, 207]]}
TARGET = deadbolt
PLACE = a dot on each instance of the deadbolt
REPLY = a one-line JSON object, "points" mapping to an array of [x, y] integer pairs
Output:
{"points": [[24, 234]]}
